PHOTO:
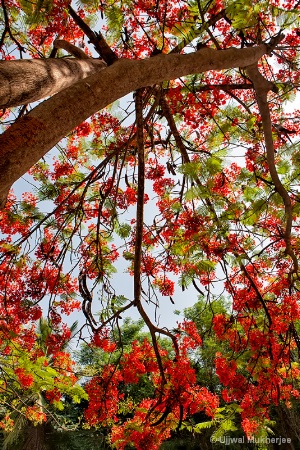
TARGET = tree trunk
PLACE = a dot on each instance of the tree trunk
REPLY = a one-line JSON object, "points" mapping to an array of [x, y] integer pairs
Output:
{"points": [[33, 135], [35, 438], [26, 81], [287, 426]]}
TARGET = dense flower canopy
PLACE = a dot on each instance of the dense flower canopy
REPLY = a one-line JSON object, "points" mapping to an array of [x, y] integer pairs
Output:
{"points": [[190, 183]]}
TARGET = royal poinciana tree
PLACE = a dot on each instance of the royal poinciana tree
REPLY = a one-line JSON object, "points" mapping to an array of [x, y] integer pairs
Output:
{"points": [[207, 145]]}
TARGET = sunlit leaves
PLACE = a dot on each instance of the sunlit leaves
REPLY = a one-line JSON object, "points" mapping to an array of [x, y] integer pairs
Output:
{"points": [[243, 13]]}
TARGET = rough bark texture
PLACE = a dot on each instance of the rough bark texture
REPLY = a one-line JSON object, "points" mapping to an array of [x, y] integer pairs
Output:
{"points": [[26, 81], [33, 135], [35, 438]]}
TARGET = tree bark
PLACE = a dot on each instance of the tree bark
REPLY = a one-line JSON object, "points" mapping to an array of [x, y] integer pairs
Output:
{"points": [[26, 81], [35, 438], [33, 135]]}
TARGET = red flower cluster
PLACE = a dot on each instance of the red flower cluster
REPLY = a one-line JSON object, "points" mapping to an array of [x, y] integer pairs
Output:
{"points": [[25, 379]]}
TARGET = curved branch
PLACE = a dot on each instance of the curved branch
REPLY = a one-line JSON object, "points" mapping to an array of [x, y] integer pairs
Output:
{"points": [[70, 48], [87, 300], [33, 135], [262, 87], [140, 225]]}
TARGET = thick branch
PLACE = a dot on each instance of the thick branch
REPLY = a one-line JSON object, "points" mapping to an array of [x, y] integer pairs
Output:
{"points": [[26, 81], [33, 135]]}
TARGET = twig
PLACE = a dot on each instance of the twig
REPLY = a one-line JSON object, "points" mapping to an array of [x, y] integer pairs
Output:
{"points": [[87, 300], [8, 30]]}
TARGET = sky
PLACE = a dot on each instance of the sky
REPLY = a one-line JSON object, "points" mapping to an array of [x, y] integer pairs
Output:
{"points": [[122, 281]]}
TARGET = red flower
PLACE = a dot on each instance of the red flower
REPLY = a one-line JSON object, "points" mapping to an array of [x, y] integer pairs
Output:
{"points": [[25, 379]]}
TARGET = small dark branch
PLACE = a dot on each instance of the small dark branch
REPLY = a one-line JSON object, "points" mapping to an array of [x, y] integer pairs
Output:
{"points": [[196, 287], [181, 411], [267, 182], [116, 315], [191, 36], [153, 330], [295, 336], [23, 110], [3, 37], [71, 49], [217, 45], [164, 415], [262, 87], [259, 296], [140, 196], [156, 51], [282, 131], [87, 300], [237, 99], [224, 87], [182, 148], [100, 44], [171, 122], [285, 59], [157, 354]]}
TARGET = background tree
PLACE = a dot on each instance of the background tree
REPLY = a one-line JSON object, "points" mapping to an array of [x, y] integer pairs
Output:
{"points": [[214, 224], [35, 379]]}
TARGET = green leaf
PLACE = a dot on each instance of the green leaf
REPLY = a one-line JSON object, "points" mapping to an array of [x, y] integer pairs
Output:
{"points": [[123, 230], [129, 256], [283, 167], [213, 164]]}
